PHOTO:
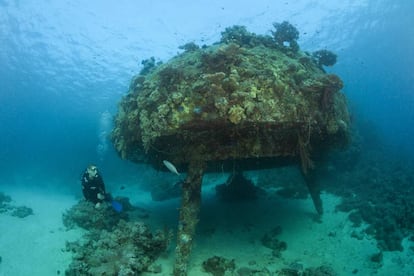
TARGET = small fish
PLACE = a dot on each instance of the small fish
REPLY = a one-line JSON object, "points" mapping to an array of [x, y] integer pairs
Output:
{"points": [[171, 167]]}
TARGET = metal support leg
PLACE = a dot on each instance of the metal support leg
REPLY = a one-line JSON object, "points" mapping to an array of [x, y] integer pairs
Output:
{"points": [[314, 190], [190, 207]]}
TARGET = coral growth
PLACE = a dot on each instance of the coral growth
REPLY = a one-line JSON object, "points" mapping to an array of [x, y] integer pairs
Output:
{"points": [[147, 66], [112, 245], [371, 184], [271, 240], [129, 249], [15, 211], [324, 57], [85, 215], [219, 266], [238, 35], [286, 35], [21, 211], [189, 47], [255, 89]]}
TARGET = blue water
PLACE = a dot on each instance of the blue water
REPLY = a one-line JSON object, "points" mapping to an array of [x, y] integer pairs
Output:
{"points": [[65, 63], [64, 66]]}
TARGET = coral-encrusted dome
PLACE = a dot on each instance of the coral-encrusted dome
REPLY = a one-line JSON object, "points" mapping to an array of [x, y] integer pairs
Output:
{"points": [[247, 96]]}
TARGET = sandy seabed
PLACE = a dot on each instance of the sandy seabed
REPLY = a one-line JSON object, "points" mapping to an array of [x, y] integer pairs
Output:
{"points": [[35, 245]]}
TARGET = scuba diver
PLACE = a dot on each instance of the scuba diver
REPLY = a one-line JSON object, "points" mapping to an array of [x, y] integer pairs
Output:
{"points": [[93, 189]]}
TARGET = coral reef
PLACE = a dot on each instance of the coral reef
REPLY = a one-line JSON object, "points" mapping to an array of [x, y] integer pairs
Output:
{"points": [[286, 35], [15, 211], [377, 190], [219, 266], [244, 92], [271, 240], [21, 211], [112, 245], [147, 66], [85, 215], [188, 47], [129, 249], [237, 34], [324, 57]]}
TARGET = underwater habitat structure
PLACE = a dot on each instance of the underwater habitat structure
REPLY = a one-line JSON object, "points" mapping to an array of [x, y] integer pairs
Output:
{"points": [[246, 102]]}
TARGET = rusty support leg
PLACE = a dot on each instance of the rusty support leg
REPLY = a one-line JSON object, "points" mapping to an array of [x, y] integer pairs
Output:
{"points": [[314, 190], [308, 171], [190, 206]]}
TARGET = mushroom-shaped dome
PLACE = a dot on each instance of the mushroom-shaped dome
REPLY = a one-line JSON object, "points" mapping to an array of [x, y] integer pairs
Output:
{"points": [[246, 97]]}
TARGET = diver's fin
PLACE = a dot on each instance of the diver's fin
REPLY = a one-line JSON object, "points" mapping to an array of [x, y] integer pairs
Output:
{"points": [[117, 206]]}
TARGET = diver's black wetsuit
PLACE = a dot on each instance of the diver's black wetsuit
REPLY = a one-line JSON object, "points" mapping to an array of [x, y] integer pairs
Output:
{"points": [[91, 187]]}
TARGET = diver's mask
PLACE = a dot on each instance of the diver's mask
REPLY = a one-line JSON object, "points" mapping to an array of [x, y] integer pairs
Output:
{"points": [[92, 172]]}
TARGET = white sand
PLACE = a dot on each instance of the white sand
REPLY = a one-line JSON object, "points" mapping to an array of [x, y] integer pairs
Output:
{"points": [[234, 231], [35, 245]]}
